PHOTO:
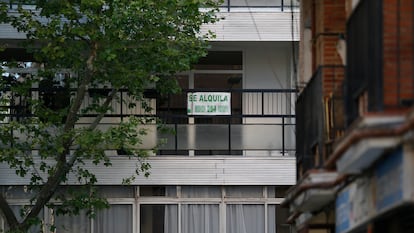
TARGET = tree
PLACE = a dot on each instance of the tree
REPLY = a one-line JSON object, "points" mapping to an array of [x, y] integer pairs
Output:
{"points": [[79, 45]]}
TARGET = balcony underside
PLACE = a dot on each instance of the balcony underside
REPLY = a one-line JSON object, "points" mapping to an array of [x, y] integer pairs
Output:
{"points": [[188, 171], [362, 155]]}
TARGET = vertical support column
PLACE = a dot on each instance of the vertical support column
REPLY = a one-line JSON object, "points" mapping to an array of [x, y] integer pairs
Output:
{"points": [[191, 129], [122, 104], [283, 135]]}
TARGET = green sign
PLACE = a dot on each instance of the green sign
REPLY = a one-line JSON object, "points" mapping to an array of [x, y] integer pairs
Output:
{"points": [[209, 103]]}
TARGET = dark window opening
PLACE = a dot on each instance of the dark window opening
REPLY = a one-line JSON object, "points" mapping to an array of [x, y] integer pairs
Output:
{"points": [[158, 191], [18, 104], [221, 60], [54, 94]]}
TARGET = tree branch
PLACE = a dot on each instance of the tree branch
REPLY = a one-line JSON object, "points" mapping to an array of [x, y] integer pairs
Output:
{"points": [[7, 211], [80, 95], [108, 100], [62, 167]]}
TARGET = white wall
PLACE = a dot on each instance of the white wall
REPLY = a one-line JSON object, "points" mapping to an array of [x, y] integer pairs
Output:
{"points": [[187, 171], [256, 26], [267, 65]]}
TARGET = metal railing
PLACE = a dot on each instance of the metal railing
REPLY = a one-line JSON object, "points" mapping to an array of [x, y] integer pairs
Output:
{"points": [[262, 122], [319, 114], [281, 5], [13, 3], [364, 58], [377, 79]]}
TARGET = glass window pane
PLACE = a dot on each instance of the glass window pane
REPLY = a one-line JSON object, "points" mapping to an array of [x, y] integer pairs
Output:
{"points": [[200, 219], [17, 192], [271, 219], [118, 218], [200, 191], [116, 191], [277, 217], [282, 214], [244, 191], [245, 218], [277, 191], [159, 219], [71, 224], [158, 191]]}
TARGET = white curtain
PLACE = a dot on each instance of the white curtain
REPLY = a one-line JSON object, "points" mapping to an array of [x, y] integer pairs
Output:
{"points": [[116, 219], [200, 218], [170, 219], [73, 224], [271, 219], [245, 219], [200, 191]]}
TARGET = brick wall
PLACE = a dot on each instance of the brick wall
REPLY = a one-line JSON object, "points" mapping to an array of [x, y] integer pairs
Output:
{"points": [[329, 24], [398, 53]]}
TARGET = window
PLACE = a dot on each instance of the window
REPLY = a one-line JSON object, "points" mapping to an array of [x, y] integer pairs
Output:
{"points": [[68, 224], [277, 217], [201, 191], [158, 218], [118, 218], [200, 218], [220, 60], [54, 92], [150, 191], [205, 209], [191, 209], [277, 191], [244, 191], [245, 219]]}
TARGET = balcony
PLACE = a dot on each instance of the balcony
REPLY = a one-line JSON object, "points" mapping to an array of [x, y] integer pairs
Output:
{"points": [[246, 147], [379, 62], [261, 122], [281, 5], [319, 116]]}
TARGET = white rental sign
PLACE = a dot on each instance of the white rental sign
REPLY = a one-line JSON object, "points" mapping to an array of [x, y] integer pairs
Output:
{"points": [[209, 103]]}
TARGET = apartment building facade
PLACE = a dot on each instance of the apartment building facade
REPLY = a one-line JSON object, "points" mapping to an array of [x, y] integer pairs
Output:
{"points": [[219, 172], [354, 152]]}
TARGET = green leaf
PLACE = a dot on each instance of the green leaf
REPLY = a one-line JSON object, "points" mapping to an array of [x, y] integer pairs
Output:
{"points": [[124, 45]]}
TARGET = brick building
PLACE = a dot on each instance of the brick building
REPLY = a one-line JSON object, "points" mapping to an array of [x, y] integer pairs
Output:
{"points": [[355, 117]]}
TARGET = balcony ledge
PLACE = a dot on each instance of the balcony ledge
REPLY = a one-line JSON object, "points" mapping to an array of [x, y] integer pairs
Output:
{"points": [[367, 140], [313, 192], [376, 135], [363, 154], [314, 199]]}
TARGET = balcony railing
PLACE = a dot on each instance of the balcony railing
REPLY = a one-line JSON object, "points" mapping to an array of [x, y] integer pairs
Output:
{"points": [[379, 67], [364, 59], [229, 5], [319, 115], [262, 122], [281, 5]]}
